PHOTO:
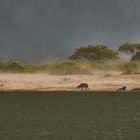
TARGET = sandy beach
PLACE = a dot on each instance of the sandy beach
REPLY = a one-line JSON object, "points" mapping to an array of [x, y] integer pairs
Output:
{"points": [[46, 82]]}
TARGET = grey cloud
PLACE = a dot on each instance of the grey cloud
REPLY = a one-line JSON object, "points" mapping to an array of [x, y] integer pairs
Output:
{"points": [[39, 30], [131, 8]]}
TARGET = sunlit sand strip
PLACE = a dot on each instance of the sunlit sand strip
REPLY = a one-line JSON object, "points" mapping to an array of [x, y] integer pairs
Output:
{"points": [[45, 82]]}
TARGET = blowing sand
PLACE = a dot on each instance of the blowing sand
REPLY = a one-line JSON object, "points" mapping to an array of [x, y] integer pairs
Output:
{"points": [[47, 82]]}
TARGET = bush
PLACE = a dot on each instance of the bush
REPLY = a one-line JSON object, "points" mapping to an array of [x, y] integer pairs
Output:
{"points": [[12, 66], [67, 67], [130, 67]]}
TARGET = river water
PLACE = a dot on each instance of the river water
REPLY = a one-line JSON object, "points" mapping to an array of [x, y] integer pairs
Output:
{"points": [[69, 116]]}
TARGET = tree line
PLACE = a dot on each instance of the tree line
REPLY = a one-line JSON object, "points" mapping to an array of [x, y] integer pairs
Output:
{"points": [[103, 52]]}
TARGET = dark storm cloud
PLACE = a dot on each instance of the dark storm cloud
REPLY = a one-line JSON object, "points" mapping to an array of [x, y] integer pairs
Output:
{"points": [[38, 30]]}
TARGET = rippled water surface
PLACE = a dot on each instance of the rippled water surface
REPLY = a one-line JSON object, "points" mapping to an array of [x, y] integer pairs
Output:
{"points": [[69, 116]]}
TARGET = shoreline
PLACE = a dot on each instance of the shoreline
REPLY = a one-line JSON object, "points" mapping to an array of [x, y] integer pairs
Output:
{"points": [[67, 92]]}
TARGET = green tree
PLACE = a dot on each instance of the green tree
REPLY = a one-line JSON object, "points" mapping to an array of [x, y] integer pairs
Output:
{"points": [[133, 49], [136, 57], [127, 48], [94, 53]]}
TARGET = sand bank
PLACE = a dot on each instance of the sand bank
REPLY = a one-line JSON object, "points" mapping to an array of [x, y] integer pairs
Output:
{"points": [[44, 81]]}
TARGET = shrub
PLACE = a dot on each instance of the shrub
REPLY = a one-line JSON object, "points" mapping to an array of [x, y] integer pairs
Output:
{"points": [[130, 67], [12, 66]]}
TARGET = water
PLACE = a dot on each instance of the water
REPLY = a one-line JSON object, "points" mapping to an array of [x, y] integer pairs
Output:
{"points": [[69, 116]]}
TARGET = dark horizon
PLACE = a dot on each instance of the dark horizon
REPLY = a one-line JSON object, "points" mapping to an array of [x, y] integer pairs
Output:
{"points": [[39, 31]]}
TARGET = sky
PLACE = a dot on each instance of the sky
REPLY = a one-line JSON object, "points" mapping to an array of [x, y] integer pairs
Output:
{"points": [[37, 31]]}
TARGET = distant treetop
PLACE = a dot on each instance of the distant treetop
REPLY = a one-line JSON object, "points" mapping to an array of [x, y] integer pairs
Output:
{"points": [[94, 53]]}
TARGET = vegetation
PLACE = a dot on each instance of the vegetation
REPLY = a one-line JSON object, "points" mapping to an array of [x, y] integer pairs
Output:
{"points": [[85, 60], [133, 49], [11, 66], [15, 66], [57, 67], [132, 67], [71, 67], [136, 57], [94, 53]]}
